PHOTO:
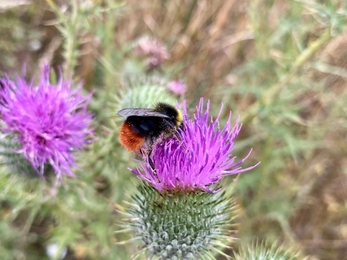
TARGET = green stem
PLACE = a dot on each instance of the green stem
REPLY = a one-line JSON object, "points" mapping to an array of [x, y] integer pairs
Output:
{"points": [[272, 93], [110, 25], [71, 41], [69, 29]]}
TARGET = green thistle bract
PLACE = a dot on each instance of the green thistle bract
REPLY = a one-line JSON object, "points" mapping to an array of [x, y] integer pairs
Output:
{"points": [[181, 226], [265, 251], [144, 92]]}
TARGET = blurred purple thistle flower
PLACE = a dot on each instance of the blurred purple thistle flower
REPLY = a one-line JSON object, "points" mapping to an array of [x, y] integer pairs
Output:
{"points": [[47, 121], [177, 87], [152, 49], [198, 159]]}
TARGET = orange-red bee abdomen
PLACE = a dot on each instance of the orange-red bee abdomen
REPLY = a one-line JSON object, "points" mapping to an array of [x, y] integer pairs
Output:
{"points": [[129, 139]]}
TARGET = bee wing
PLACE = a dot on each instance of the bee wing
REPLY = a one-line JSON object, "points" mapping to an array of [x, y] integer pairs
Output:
{"points": [[140, 112]]}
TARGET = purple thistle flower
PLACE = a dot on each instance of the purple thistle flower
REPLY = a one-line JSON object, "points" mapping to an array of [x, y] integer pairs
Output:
{"points": [[47, 121], [198, 159], [177, 87]]}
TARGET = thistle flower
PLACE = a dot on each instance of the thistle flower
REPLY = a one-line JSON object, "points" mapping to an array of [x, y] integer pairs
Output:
{"points": [[152, 49], [177, 87], [43, 123], [178, 212], [198, 159]]}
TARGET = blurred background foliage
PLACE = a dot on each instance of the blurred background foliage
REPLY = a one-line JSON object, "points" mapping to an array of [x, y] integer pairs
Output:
{"points": [[280, 65]]}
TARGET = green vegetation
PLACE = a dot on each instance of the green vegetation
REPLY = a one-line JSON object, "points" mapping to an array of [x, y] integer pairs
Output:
{"points": [[280, 65]]}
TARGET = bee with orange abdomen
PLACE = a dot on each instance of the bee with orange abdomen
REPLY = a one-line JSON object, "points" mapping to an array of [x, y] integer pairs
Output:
{"points": [[143, 125]]}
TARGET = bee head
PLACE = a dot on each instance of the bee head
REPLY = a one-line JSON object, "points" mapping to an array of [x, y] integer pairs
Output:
{"points": [[173, 113]]}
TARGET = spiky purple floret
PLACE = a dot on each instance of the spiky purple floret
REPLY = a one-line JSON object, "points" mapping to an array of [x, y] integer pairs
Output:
{"points": [[48, 121], [198, 159]]}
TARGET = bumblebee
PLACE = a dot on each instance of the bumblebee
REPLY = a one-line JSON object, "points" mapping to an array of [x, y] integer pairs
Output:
{"points": [[143, 126]]}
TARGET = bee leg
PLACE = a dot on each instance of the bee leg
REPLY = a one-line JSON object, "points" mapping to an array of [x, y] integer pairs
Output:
{"points": [[177, 135], [151, 163], [2, 88], [150, 160]]}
